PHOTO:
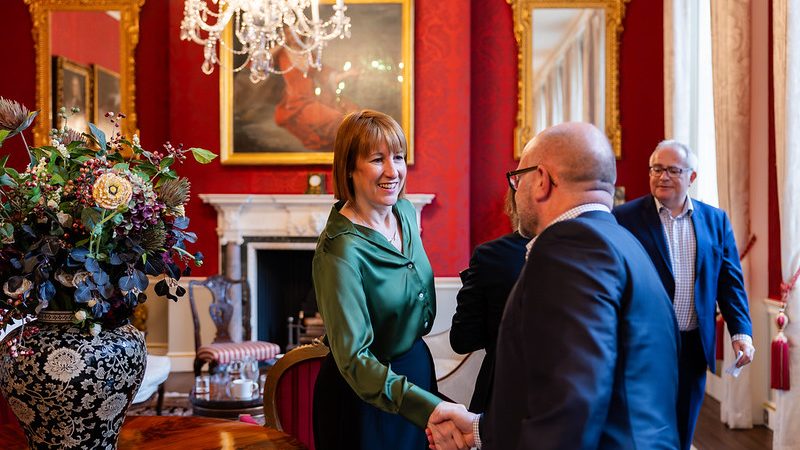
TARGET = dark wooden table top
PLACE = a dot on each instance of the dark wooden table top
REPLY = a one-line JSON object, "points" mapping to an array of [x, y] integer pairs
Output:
{"points": [[177, 432]]}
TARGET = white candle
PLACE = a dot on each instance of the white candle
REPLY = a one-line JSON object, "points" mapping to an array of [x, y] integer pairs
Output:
{"points": [[315, 11], [339, 3]]}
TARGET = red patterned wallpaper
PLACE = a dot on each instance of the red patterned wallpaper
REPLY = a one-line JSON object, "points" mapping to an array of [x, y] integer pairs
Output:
{"points": [[494, 114]]}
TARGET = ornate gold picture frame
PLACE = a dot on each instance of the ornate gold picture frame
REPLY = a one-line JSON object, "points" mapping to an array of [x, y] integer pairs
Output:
{"points": [[106, 97], [292, 118], [41, 10], [613, 11], [73, 83]]}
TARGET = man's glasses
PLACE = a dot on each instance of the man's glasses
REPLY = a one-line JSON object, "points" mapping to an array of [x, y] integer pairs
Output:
{"points": [[514, 176], [672, 171]]}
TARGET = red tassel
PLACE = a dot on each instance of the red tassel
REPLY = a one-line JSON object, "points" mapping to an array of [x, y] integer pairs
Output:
{"points": [[720, 338], [779, 375]]}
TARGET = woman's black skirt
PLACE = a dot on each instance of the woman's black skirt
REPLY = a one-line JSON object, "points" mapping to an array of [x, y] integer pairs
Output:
{"points": [[342, 421]]}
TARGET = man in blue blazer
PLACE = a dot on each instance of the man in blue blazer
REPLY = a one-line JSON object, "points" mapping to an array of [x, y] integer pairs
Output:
{"points": [[694, 251], [588, 347]]}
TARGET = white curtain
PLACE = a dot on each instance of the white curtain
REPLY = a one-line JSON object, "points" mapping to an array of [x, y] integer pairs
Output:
{"points": [[688, 91], [706, 102], [573, 85], [786, 60], [730, 40]]}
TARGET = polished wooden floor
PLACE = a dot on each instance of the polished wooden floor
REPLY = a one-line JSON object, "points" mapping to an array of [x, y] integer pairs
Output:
{"points": [[711, 434]]}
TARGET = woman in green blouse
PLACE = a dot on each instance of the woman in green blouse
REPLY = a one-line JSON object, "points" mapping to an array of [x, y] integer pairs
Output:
{"points": [[375, 291]]}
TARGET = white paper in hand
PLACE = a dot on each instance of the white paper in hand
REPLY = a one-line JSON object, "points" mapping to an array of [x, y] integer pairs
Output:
{"points": [[732, 369]]}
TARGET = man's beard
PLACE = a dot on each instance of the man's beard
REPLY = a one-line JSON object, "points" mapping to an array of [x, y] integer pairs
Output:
{"points": [[528, 224]]}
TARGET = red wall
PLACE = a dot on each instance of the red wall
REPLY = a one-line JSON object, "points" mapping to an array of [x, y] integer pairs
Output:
{"points": [[465, 106], [68, 38]]}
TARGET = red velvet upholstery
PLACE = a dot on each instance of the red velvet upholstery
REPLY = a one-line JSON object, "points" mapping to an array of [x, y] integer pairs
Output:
{"points": [[294, 399]]}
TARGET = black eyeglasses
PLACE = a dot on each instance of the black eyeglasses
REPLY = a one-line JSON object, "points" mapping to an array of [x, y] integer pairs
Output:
{"points": [[672, 171], [514, 176]]}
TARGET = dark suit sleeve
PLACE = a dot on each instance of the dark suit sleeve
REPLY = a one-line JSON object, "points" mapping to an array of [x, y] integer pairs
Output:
{"points": [[570, 318], [468, 332], [731, 295]]}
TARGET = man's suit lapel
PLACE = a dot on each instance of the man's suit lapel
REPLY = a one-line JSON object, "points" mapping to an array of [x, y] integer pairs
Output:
{"points": [[656, 229], [703, 245]]}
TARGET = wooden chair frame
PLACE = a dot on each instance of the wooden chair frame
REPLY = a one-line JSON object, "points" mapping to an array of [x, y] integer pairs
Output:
{"points": [[274, 374]]}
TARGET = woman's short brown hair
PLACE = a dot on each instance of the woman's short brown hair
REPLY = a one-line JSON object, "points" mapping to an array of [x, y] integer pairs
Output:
{"points": [[360, 133]]}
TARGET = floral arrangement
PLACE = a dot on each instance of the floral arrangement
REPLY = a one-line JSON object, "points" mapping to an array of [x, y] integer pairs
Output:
{"points": [[87, 221]]}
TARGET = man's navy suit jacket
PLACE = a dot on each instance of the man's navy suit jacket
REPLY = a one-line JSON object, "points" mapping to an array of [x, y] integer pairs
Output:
{"points": [[718, 273], [587, 356], [486, 283]]}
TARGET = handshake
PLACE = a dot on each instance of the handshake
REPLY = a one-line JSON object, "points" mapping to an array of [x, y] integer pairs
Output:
{"points": [[450, 426]]}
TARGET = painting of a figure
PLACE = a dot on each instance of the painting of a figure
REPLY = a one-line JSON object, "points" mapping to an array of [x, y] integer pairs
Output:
{"points": [[293, 117], [106, 98], [72, 91]]}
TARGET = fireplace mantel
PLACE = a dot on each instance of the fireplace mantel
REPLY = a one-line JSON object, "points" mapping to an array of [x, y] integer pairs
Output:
{"points": [[260, 215]]}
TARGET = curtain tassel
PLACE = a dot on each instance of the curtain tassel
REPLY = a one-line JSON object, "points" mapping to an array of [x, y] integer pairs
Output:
{"points": [[779, 375]]}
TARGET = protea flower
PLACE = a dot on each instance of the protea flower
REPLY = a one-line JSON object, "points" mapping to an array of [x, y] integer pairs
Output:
{"points": [[12, 114], [69, 136], [175, 192], [154, 237]]}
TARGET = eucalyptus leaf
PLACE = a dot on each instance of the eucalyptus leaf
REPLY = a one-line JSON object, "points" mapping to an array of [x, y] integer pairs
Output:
{"points": [[82, 294], [126, 283], [3, 135], [166, 162], [202, 156], [79, 254], [100, 136], [47, 290], [101, 278], [92, 266], [161, 288], [90, 217], [6, 180], [140, 280]]}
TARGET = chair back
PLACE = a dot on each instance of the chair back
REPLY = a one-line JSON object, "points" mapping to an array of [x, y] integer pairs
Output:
{"points": [[289, 391], [221, 308]]}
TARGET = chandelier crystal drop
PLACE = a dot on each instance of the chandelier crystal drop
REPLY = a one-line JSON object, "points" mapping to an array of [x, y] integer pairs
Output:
{"points": [[262, 28]]}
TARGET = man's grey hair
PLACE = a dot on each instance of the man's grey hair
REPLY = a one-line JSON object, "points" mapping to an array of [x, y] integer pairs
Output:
{"points": [[688, 154]]}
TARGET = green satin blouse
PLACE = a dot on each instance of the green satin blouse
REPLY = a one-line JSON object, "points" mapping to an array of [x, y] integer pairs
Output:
{"points": [[376, 302]]}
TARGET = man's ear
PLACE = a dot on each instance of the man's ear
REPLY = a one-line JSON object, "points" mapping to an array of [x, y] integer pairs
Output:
{"points": [[692, 177]]}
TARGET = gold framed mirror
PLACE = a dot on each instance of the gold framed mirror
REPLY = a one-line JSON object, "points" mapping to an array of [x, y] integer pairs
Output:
{"points": [[78, 38], [568, 62]]}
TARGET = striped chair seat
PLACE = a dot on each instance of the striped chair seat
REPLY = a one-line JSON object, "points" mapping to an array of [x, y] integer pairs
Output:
{"points": [[224, 353]]}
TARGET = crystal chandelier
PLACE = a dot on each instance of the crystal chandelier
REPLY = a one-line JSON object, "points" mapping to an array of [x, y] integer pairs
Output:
{"points": [[262, 27]]}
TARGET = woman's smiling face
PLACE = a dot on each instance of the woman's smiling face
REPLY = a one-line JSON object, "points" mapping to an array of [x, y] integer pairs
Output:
{"points": [[378, 177]]}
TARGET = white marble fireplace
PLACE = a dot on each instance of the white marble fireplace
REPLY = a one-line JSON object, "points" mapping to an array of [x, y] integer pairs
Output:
{"points": [[247, 223]]}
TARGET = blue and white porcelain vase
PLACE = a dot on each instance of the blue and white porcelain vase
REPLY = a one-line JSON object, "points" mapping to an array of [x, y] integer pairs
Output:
{"points": [[74, 389]]}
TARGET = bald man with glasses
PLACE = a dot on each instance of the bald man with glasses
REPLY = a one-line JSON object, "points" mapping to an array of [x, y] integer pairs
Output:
{"points": [[694, 251]]}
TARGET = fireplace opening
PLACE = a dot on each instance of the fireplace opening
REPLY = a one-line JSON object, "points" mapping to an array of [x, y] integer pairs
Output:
{"points": [[285, 288]]}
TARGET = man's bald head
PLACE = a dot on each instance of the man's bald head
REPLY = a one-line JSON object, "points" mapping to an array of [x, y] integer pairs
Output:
{"points": [[578, 154]]}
